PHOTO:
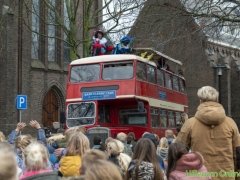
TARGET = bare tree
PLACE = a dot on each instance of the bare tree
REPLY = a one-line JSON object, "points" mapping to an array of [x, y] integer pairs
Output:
{"points": [[214, 17], [80, 16]]}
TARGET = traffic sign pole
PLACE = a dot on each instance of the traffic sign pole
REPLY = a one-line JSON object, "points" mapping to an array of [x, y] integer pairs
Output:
{"points": [[20, 118], [21, 104]]}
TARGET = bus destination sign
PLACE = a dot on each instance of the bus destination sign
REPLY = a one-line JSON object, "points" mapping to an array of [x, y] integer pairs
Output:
{"points": [[99, 95], [162, 95]]}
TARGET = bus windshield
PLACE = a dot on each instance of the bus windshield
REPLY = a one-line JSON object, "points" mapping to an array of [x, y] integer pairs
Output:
{"points": [[80, 114], [117, 70], [85, 73]]}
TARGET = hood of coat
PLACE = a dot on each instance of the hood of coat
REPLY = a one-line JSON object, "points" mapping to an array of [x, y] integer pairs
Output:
{"points": [[70, 165], [164, 153], [210, 113], [189, 162]]}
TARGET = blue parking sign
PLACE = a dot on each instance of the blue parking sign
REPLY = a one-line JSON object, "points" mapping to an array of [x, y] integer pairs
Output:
{"points": [[21, 102]]}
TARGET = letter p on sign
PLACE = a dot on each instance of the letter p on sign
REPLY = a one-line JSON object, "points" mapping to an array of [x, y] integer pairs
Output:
{"points": [[21, 102]]}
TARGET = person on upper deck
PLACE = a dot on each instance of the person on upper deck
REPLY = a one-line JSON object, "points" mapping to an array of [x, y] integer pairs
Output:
{"points": [[162, 64], [124, 46]]}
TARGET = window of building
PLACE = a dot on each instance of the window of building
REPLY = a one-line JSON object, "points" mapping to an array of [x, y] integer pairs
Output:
{"points": [[182, 86], [51, 32], [151, 72], [133, 117], [35, 29], [154, 117], [85, 73], [160, 76], [171, 119], [168, 81], [163, 118], [104, 114], [66, 47], [141, 71], [175, 83]]}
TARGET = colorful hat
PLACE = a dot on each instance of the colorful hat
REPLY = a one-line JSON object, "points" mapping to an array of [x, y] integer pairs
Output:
{"points": [[96, 33], [126, 38]]}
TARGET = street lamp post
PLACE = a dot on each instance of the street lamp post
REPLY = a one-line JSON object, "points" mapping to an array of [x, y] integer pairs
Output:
{"points": [[219, 68]]}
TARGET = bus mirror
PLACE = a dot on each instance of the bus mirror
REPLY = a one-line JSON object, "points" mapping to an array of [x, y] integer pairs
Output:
{"points": [[140, 106]]}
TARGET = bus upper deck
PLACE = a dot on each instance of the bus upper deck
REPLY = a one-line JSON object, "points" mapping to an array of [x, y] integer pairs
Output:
{"points": [[126, 74]]}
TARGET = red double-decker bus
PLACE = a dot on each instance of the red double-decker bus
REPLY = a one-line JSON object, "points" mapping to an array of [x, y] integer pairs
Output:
{"points": [[123, 93]]}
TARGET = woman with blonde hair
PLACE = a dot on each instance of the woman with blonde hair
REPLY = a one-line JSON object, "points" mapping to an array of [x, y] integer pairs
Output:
{"points": [[21, 143], [78, 144], [162, 150], [115, 152], [36, 159], [169, 135], [63, 143]]}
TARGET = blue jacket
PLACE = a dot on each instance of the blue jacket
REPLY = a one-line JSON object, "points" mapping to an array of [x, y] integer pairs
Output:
{"points": [[120, 49]]}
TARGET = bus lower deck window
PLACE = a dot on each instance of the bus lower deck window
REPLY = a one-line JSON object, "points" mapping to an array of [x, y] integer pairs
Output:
{"points": [[132, 117], [104, 114], [82, 113], [154, 117]]}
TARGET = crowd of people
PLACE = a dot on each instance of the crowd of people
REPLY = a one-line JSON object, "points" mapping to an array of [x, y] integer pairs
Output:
{"points": [[207, 146]]}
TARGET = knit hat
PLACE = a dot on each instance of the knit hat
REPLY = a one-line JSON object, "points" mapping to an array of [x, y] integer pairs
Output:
{"points": [[126, 38], [151, 137]]}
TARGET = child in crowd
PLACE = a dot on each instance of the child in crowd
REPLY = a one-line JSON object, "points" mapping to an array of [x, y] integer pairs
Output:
{"points": [[180, 161], [123, 138], [133, 142], [102, 170], [62, 151], [8, 163], [97, 141], [169, 135], [151, 137], [90, 157], [22, 141], [115, 153], [162, 150], [144, 164], [36, 158], [78, 144]]}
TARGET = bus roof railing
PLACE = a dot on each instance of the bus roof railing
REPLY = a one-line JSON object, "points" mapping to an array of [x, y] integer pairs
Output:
{"points": [[111, 58], [156, 54]]}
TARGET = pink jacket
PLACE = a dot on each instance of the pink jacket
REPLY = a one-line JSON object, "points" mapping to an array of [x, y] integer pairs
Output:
{"points": [[188, 167], [32, 173]]}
